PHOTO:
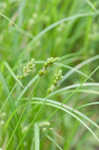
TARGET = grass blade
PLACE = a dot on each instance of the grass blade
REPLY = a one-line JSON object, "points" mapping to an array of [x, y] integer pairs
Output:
{"points": [[63, 108], [12, 73], [37, 136]]}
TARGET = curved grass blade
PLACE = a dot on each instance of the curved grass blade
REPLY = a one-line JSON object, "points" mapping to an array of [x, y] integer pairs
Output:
{"points": [[12, 73], [88, 104], [78, 67], [65, 109], [60, 22], [69, 108], [27, 86], [73, 86]]}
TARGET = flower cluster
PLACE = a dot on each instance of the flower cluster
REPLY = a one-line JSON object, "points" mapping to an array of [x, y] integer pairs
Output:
{"points": [[58, 77], [48, 63], [28, 68]]}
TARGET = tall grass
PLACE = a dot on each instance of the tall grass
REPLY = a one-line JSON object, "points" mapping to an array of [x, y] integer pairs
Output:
{"points": [[49, 74]]}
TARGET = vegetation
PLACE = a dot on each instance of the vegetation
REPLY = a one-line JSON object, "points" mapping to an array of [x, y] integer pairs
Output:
{"points": [[49, 74]]}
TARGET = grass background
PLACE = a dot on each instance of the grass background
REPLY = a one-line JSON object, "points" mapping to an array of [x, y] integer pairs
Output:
{"points": [[40, 29]]}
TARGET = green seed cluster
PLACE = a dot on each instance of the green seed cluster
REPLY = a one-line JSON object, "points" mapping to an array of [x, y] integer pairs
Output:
{"points": [[48, 63], [28, 68], [58, 77]]}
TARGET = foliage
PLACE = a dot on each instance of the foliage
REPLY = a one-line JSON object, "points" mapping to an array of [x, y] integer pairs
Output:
{"points": [[49, 74]]}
